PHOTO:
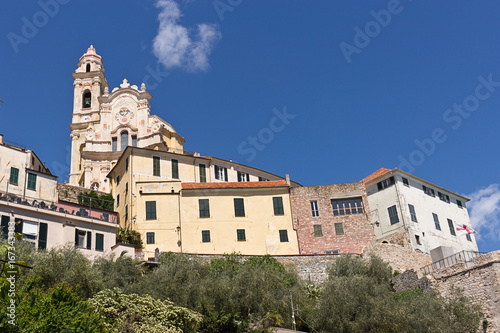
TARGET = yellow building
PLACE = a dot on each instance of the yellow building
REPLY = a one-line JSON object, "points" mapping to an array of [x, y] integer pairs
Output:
{"points": [[194, 204]]}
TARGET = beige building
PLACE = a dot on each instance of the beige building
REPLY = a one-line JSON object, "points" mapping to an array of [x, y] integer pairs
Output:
{"points": [[104, 123], [29, 203], [178, 204]]}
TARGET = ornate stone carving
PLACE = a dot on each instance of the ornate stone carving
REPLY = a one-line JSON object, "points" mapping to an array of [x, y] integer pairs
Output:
{"points": [[124, 116]]}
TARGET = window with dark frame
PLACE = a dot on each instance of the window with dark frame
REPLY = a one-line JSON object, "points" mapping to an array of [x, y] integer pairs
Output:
{"points": [[469, 238], [318, 230], [126, 164], [117, 200], [123, 140], [150, 210], [385, 183], [243, 177], [339, 229], [283, 236], [156, 166], [126, 188], [459, 204], [14, 176], [452, 227], [347, 206], [393, 214], [278, 206], [443, 197], [114, 144], [240, 235], [126, 212], [204, 207], [239, 207], [428, 191], [86, 99], [405, 181], [203, 173], [150, 237], [262, 179], [175, 169], [117, 180], [417, 239], [436, 221], [99, 242], [205, 236], [413, 215], [314, 208], [221, 173], [134, 140]]}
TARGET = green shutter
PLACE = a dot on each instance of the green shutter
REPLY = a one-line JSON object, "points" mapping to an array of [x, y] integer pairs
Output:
{"points": [[203, 173], [76, 237], [225, 175], [31, 181], [239, 207], [156, 166], [19, 226], [278, 206], [5, 226], [89, 240], [175, 169], [99, 242], [150, 210], [14, 176], [42, 236]]}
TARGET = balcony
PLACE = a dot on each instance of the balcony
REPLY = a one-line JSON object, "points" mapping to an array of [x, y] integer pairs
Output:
{"points": [[61, 207]]}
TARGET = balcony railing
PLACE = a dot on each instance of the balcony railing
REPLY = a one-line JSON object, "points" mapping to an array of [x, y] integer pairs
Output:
{"points": [[61, 207], [459, 257]]}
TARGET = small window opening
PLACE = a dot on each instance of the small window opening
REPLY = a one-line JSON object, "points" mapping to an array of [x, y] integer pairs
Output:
{"points": [[88, 68], [87, 97]]}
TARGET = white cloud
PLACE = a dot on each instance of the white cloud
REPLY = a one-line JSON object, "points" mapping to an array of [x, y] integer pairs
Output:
{"points": [[484, 210], [173, 46]]}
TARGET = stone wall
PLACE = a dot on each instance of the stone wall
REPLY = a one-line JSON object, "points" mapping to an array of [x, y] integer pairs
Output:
{"points": [[357, 228], [70, 193], [399, 257]]}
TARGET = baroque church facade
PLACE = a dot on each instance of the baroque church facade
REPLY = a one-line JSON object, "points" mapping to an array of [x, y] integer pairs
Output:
{"points": [[105, 122]]}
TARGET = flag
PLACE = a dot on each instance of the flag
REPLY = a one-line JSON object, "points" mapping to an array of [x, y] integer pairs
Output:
{"points": [[463, 229]]}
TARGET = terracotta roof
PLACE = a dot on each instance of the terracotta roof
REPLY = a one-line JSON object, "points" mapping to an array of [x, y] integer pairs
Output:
{"points": [[274, 183], [376, 174]]}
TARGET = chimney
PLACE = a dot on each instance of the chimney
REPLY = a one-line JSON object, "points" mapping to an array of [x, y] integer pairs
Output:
{"points": [[287, 178], [1, 139]]}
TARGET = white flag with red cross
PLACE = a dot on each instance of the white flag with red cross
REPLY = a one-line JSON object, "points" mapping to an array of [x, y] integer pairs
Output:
{"points": [[463, 229]]}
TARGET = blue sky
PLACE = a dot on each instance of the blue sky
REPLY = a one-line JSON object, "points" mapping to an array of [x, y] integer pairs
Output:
{"points": [[364, 85]]}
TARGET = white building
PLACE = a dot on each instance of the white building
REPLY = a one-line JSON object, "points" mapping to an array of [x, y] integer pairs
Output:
{"points": [[29, 201], [410, 211]]}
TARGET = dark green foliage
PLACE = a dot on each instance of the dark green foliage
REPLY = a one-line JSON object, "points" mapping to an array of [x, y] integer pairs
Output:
{"points": [[91, 199], [56, 309], [131, 237]]}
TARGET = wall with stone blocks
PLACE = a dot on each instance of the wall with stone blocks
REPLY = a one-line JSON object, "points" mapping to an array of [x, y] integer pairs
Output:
{"points": [[399, 257], [70, 193]]}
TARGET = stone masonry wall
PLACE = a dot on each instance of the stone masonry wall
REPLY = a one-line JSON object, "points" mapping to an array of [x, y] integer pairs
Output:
{"points": [[70, 193], [358, 230], [399, 257]]}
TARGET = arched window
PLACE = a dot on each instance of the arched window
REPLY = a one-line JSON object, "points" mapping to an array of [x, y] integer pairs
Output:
{"points": [[124, 140], [86, 100], [88, 68]]}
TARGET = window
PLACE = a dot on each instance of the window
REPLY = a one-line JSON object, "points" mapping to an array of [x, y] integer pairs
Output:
{"points": [[318, 230], [243, 177], [79, 238], [114, 144], [117, 200], [31, 181], [444, 197], [314, 208], [150, 237], [123, 140], [99, 242], [406, 182], [452, 227], [30, 231], [469, 238], [134, 140], [385, 183], [220, 173], [417, 239], [175, 169], [89, 240], [204, 208], [413, 215], [278, 206], [126, 188], [156, 166], [87, 69], [86, 100], [203, 173], [126, 212], [393, 214], [32, 161], [150, 210], [14, 175], [428, 191], [42, 236], [240, 235], [283, 236], [347, 206], [205, 236], [436, 221], [262, 179], [117, 180], [126, 164], [459, 204], [5, 226], [339, 229], [239, 207]]}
